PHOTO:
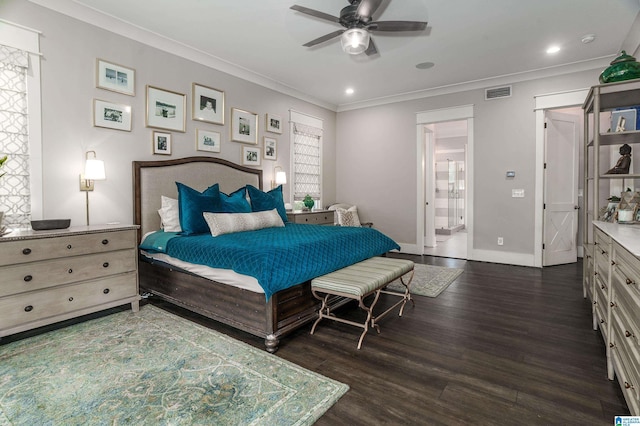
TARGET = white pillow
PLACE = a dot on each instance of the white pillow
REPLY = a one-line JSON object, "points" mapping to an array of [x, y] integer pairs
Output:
{"points": [[169, 214], [226, 223], [348, 217]]}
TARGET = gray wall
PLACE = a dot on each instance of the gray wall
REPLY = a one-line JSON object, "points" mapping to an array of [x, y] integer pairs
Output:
{"points": [[70, 49], [376, 164]]}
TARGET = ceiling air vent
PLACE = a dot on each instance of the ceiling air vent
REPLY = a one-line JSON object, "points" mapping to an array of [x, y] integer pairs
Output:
{"points": [[497, 92]]}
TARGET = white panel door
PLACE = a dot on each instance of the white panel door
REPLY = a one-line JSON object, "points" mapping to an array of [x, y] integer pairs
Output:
{"points": [[560, 219]]}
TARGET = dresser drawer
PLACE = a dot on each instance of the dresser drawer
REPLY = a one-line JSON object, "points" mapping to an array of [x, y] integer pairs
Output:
{"points": [[28, 307], [626, 358], [314, 218], [31, 250], [34, 276]]}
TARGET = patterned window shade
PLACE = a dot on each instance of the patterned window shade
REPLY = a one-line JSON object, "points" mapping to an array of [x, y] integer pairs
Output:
{"points": [[15, 196], [306, 161]]}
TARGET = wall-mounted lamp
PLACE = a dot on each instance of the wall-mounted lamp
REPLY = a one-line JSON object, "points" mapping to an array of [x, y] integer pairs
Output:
{"points": [[93, 170], [355, 41], [280, 177]]}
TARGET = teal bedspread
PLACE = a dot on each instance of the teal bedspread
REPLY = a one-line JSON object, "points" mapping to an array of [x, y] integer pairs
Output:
{"points": [[277, 257]]}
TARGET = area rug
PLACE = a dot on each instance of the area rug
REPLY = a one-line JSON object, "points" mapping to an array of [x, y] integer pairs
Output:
{"points": [[154, 368], [429, 280]]}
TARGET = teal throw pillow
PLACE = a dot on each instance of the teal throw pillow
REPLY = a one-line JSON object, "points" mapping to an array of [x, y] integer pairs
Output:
{"points": [[236, 202], [192, 204], [262, 201]]}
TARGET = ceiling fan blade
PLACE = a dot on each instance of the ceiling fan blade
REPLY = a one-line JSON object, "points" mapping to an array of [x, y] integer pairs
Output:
{"points": [[368, 7], [324, 38], [315, 13], [396, 26], [371, 50]]}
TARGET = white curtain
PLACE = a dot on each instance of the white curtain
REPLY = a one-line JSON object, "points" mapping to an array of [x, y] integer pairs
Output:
{"points": [[306, 161], [15, 196]]}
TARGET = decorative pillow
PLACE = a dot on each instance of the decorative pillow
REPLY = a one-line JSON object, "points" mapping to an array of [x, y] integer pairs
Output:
{"points": [[262, 201], [236, 202], [226, 223], [170, 214], [348, 217], [192, 204]]}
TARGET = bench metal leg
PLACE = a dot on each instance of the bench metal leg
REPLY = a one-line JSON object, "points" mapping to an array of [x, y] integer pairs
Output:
{"points": [[406, 296]]}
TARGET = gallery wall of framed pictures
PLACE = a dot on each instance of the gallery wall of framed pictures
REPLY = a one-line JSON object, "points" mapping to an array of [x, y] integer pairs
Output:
{"points": [[166, 112]]}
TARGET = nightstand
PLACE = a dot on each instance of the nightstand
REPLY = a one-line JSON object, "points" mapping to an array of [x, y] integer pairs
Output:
{"points": [[50, 276], [318, 217]]}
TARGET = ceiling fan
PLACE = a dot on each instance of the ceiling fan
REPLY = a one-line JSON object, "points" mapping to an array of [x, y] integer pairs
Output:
{"points": [[357, 22]]}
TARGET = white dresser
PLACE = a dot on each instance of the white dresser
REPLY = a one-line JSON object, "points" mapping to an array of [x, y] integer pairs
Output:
{"points": [[615, 295], [50, 276]]}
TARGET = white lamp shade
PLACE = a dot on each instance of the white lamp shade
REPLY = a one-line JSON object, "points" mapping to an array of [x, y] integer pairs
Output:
{"points": [[355, 41], [94, 169], [281, 178]]}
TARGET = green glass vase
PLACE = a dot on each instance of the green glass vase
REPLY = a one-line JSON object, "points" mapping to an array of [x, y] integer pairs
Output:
{"points": [[624, 67]]}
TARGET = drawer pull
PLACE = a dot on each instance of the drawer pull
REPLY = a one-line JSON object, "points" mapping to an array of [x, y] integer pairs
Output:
{"points": [[627, 385], [613, 305], [603, 252], [105, 242], [629, 281], [105, 265], [27, 278], [602, 286], [613, 262], [611, 345], [26, 251], [595, 273], [28, 308], [70, 271], [106, 291], [627, 333], [69, 246], [602, 321], [71, 299]]}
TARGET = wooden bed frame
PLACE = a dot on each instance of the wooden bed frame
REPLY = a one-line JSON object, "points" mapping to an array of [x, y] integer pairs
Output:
{"points": [[285, 311]]}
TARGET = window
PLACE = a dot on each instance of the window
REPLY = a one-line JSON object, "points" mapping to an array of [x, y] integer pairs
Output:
{"points": [[20, 125], [306, 134]]}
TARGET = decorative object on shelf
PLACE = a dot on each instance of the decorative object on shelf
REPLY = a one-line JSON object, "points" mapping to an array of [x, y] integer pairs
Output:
{"points": [[623, 120], [624, 162], [308, 202], [624, 67], [48, 224]]}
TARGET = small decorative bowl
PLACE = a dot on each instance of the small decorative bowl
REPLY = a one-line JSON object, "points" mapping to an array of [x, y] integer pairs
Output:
{"points": [[45, 225]]}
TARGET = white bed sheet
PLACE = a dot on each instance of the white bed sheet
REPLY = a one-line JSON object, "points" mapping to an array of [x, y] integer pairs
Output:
{"points": [[224, 276]]}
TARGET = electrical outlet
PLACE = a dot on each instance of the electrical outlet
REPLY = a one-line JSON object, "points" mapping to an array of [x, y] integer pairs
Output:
{"points": [[500, 241]]}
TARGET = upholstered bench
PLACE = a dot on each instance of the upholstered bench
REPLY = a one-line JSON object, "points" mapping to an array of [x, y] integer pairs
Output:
{"points": [[360, 280]]}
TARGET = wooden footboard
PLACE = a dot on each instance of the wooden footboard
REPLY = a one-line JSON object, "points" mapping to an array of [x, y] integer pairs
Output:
{"points": [[285, 311]]}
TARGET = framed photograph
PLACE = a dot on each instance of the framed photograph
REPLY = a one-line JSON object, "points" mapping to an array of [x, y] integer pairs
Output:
{"points": [[250, 156], [115, 77], [207, 141], [111, 116], [274, 123], [623, 120], [270, 148], [166, 109], [162, 143], [208, 104], [244, 126]]}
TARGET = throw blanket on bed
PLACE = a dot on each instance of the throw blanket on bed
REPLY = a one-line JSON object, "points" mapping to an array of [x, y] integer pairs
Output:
{"points": [[277, 257]]}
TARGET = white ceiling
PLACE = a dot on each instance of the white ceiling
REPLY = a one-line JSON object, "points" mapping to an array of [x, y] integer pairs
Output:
{"points": [[473, 43]]}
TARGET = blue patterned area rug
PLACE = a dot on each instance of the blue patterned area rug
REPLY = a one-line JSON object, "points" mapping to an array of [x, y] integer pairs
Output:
{"points": [[429, 280], [153, 368]]}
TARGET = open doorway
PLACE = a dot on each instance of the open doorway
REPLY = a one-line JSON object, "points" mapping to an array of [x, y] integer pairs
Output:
{"points": [[448, 188]]}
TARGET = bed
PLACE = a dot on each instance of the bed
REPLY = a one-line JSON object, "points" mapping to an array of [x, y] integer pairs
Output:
{"points": [[270, 312]]}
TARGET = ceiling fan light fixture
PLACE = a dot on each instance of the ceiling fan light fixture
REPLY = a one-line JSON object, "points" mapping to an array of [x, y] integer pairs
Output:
{"points": [[355, 41]]}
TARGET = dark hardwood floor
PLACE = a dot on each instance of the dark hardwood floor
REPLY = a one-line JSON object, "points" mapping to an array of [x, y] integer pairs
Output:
{"points": [[503, 345]]}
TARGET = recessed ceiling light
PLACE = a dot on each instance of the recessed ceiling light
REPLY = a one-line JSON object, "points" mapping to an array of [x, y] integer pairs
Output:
{"points": [[425, 65], [349, 91], [553, 49], [588, 38]]}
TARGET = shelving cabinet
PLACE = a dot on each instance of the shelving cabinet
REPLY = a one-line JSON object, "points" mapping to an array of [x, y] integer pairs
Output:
{"points": [[611, 263]]}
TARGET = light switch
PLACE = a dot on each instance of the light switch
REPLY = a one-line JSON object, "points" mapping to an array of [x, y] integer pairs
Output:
{"points": [[517, 193]]}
